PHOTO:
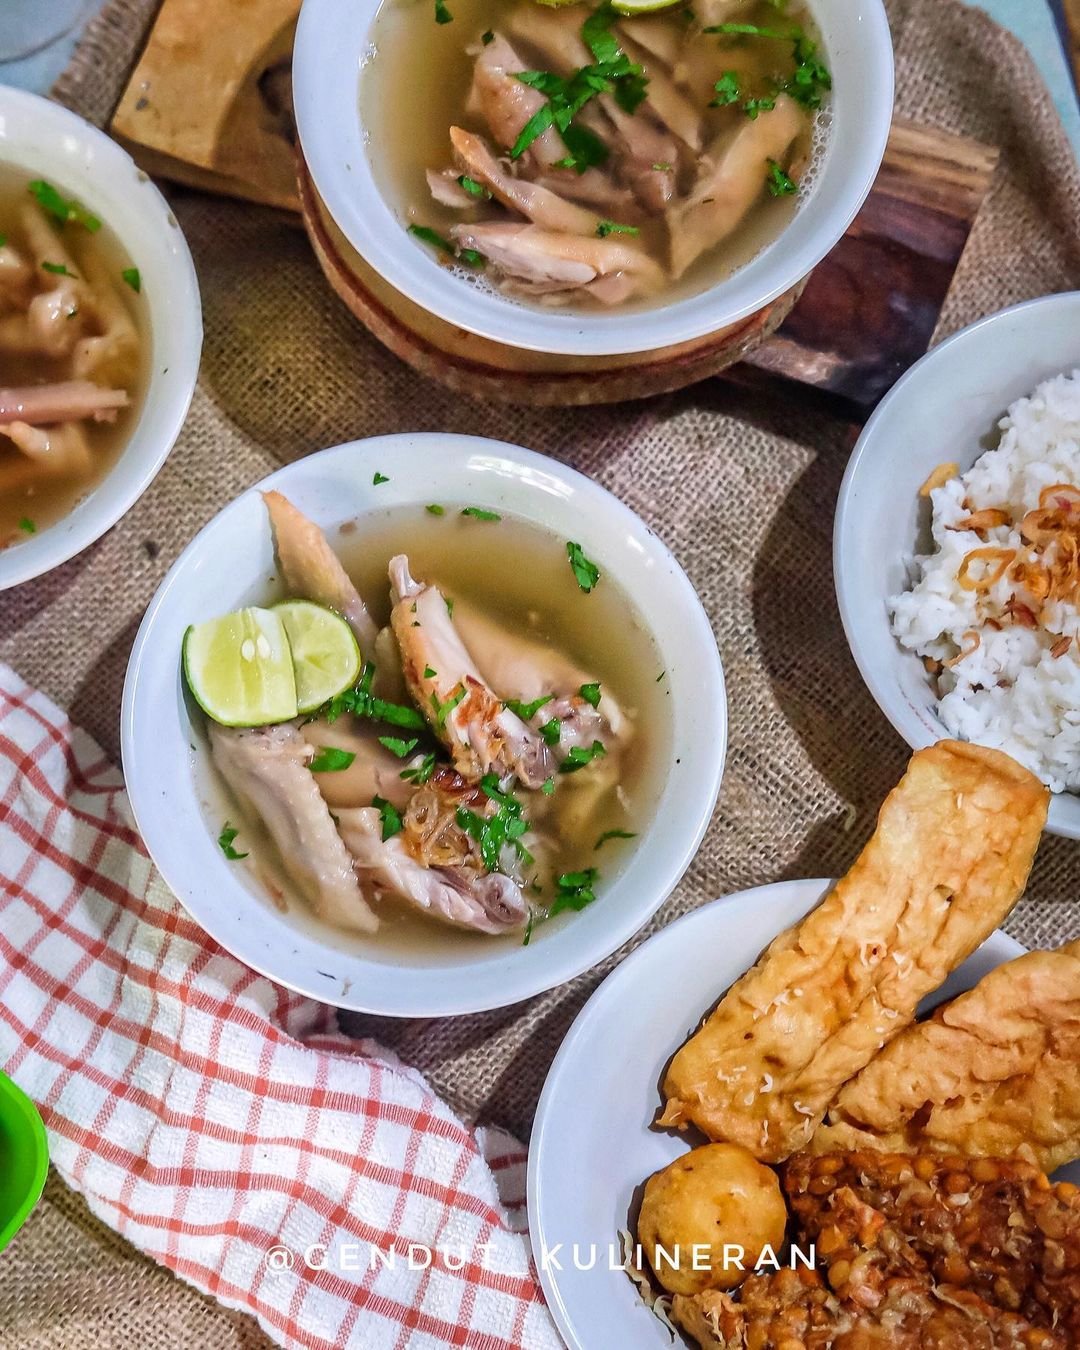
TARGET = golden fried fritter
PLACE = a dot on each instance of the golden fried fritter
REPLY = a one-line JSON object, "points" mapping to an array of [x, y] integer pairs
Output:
{"points": [[948, 860], [717, 1204], [995, 1072]]}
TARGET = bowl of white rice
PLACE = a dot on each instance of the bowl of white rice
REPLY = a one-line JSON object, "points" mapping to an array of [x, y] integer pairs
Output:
{"points": [[957, 546]]}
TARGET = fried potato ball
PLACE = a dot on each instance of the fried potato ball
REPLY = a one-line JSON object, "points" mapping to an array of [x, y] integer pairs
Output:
{"points": [[706, 1218]]}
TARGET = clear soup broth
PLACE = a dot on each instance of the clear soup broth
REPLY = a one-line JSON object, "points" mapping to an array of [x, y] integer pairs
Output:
{"points": [[680, 154], [514, 575], [73, 353]]}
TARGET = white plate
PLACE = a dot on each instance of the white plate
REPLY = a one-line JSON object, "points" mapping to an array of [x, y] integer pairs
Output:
{"points": [[592, 1145], [230, 564]]}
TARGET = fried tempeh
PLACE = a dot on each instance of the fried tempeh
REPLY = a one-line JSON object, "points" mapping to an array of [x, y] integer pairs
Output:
{"points": [[995, 1072], [948, 860], [994, 1229]]}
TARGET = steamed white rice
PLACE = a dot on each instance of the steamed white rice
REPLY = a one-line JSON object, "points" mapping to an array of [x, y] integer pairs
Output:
{"points": [[1010, 692]]}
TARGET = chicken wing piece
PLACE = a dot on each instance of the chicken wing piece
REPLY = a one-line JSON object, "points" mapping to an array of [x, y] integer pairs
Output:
{"points": [[267, 770], [732, 180], [486, 902], [543, 261], [374, 771], [68, 401], [995, 1072], [313, 571], [948, 860], [517, 668], [62, 449], [482, 735], [539, 204]]}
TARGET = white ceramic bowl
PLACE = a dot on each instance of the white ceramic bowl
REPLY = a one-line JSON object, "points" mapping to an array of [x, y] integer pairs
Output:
{"points": [[945, 408], [166, 764], [592, 1145], [50, 142], [333, 42]]}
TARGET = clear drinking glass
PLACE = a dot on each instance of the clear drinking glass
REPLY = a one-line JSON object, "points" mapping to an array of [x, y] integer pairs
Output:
{"points": [[28, 25]]}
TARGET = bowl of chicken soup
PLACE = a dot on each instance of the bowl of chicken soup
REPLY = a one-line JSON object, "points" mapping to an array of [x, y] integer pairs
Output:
{"points": [[100, 334], [578, 181], [521, 758]]}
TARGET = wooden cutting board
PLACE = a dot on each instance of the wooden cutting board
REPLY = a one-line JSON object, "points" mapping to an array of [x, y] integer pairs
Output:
{"points": [[217, 115]]}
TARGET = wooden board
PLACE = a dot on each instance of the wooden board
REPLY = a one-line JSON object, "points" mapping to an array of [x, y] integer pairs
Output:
{"points": [[217, 116], [1072, 23]]}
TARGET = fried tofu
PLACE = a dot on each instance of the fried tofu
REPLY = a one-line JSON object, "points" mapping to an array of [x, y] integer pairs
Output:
{"points": [[994, 1073], [949, 859]]}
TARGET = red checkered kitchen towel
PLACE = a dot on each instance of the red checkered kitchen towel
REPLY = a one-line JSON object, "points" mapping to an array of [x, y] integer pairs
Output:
{"points": [[223, 1124]]}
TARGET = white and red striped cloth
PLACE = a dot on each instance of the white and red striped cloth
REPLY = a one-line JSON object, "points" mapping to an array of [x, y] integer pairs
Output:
{"points": [[219, 1122]]}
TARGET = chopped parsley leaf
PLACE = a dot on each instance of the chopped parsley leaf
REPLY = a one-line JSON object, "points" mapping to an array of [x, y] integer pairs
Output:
{"points": [[450, 606], [606, 227], [331, 760], [753, 106], [473, 188], [397, 746], [442, 14], [591, 693], [529, 926], [727, 89], [527, 711], [551, 731], [579, 756], [443, 710], [422, 772], [780, 183], [548, 787], [429, 673], [487, 38], [379, 478], [586, 572], [437, 241], [574, 890], [361, 702], [133, 278], [613, 834], [60, 208], [390, 815], [479, 513], [613, 73], [225, 842], [754, 30], [57, 269], [503, 826], [662, 166], [434, 509], [3, 240], [27, 525]]}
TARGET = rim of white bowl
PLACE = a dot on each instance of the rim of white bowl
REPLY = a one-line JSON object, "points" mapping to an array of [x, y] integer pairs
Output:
{"points": [[331, 49], [1063, 817], [88, 163], [143, 708]]}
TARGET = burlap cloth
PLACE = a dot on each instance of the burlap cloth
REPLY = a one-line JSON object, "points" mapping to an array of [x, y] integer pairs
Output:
{"points": [[743, 493]]}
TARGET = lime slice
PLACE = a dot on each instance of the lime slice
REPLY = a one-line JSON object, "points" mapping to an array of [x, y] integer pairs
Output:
{"points": [[642, 6], [326, 659], [240, 670]]}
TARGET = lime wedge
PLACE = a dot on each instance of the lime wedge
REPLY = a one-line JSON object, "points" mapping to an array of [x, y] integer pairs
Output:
{"points": [[240, 670], [641, 6], [326, 659]]}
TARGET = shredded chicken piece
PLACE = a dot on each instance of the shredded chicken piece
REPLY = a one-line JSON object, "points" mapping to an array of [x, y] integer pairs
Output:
{"points": [[69, 401]]}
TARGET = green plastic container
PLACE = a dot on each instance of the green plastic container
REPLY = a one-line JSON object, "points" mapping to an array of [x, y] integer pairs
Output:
{"points": [[24, 1158]]}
